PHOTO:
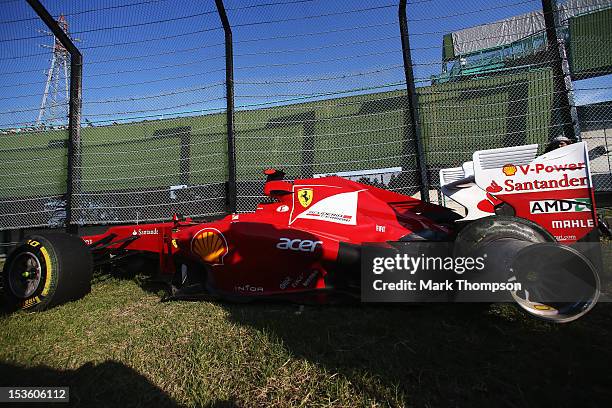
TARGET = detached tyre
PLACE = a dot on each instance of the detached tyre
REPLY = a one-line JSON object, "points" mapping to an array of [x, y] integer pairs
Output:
{"points": [[47, 270]]}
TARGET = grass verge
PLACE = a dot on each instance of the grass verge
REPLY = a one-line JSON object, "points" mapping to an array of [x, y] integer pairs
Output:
{"points": [[122, 346]]}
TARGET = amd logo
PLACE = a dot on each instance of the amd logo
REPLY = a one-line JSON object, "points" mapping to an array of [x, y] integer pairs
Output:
{"points": [[559, 206], [304, 245]]}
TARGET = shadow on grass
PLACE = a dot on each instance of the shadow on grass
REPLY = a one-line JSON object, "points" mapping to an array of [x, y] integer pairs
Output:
{"points": [[449, 355], [107, 384]]}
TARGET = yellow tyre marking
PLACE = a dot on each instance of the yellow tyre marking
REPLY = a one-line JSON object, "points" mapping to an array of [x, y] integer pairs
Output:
{"points": [[30, 302], [543, 307], [45, 254]]}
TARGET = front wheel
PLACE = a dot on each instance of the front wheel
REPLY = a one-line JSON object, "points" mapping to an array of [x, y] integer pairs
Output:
{"points": [[47, 270]]}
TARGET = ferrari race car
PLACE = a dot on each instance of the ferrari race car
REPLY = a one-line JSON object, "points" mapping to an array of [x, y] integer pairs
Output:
{"points": [[306, 241]]}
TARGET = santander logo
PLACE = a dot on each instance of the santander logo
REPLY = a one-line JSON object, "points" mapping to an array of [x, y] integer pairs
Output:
{"points": [[494, 187], [549, 184], [541, 176], [488, 204]]}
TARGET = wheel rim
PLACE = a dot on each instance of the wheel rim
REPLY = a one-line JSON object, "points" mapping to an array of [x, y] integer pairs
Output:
{"points": [[549, 293], [24, 275]]}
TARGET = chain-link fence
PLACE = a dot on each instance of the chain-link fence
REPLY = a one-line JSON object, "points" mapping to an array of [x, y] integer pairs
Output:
{"points": [[314, 98], [319, 88], [32, 160], [152, 135], [589, 38], [503, 79]]}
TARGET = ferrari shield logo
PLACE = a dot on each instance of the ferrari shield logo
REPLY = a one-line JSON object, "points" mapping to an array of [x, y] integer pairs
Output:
{"points": [[305, 196]]}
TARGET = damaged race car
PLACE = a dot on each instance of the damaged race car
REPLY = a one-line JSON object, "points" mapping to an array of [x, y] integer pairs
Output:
{"points": [[305, 243]]}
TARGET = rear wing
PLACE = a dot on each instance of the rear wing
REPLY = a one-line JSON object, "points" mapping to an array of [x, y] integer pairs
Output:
{"points": [[554, 189]]}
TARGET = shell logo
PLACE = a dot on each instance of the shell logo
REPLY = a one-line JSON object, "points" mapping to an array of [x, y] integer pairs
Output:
{"points": [[210, 245], [509, 169]]}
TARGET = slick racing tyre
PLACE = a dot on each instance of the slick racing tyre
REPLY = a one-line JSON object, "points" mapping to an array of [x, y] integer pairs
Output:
{"points": [[47, 270]]}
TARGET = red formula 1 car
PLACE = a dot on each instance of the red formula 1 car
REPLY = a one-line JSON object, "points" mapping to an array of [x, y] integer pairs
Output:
{"points": [[307, 240]]}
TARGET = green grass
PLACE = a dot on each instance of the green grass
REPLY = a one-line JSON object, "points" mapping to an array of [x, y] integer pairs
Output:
{"points": [[121, 346]]}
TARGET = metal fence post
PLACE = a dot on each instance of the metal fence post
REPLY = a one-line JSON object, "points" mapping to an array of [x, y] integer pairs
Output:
{"points": [[560, 70], [73, 182], [413, 105], [229, 90]]}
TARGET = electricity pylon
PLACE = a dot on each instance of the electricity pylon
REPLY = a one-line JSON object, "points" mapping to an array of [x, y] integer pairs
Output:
{"points": [[54, 106]]}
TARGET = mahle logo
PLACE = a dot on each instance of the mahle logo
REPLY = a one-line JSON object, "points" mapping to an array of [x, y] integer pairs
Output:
{"points": [[560, 206]]}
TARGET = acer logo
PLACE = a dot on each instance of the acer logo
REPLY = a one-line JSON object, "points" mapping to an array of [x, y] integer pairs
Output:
{"points": [[303, 245]]}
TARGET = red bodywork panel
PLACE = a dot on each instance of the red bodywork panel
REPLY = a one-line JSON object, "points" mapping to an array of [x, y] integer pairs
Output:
{"points": [[290, 245], [313, 228], [554, 190]]}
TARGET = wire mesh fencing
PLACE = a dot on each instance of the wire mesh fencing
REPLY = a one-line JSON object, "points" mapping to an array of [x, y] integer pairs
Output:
{"points": [[589, 36], [33, 156], [510, 75], [153, 132], [320, 88], [496, 84], [323, 93], [153, 141]]}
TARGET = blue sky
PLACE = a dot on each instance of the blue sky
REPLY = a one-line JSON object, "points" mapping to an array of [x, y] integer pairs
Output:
{"points": [[161, 58]]}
